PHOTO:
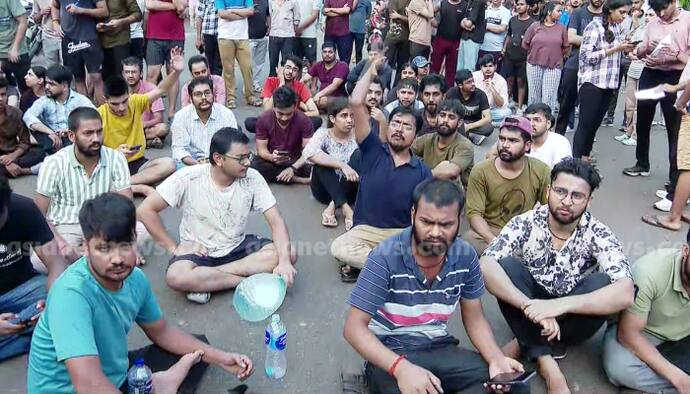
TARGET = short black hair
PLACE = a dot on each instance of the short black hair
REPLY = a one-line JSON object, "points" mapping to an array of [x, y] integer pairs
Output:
{"points": [[39, 71], [578, 168], [409, 83], [196, 59], [295, 60], [59, 74], [110, 216], [452, 105], [408, 65], [222, 141], [440, 192], [199, 81], [400, 110], [335, 105], [79, 114], [462, 76], [487, 59], [133, 61], [433, 80], [5, 193], [658, 5], [115, 86], [328, 44], [543, 109], [284, 97], [4, 83], [377, 80]]}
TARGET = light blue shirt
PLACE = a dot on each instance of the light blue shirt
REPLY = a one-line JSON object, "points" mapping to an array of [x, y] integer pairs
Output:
{"points": [[359, 16], [52, 113]]}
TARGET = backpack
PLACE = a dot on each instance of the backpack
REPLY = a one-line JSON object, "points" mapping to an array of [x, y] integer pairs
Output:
{"points": [[34, 37]]}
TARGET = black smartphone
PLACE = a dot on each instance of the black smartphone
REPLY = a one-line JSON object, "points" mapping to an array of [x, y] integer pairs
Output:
{"points": [[25, 315], [506, 379], [636, 43], [135, 147]]}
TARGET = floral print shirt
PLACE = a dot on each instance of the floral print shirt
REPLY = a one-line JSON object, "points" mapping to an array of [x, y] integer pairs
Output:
{"points": [[591, 248]]}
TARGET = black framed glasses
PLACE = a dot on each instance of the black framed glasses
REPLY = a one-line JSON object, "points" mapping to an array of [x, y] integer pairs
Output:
{"points": [[576, 197], [242, 159]]}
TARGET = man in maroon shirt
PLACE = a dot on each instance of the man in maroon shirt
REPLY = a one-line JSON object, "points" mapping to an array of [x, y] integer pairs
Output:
{"points": [[281, 133], [338, 26], [331, 74]]}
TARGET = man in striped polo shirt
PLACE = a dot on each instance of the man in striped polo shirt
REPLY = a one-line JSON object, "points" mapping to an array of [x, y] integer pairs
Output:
{"points": [[405, 295], [75, 174]]}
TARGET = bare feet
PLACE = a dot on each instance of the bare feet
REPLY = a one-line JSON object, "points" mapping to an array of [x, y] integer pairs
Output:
{"points": [[511, 349], [555, 381], [144, 190], [167, 382]]}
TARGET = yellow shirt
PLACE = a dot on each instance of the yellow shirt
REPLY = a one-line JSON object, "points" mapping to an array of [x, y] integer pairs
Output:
{"points": [[128, 129]]}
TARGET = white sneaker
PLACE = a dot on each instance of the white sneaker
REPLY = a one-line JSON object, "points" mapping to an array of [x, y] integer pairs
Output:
{"points": [[630, 142], [661, 193], [663, 205], [199, 298], [570, 130], [621, 138]]}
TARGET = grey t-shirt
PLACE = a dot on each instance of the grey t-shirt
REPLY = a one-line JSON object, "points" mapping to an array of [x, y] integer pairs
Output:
{"points": [[78, 27], [578, 21], [9, 10]]}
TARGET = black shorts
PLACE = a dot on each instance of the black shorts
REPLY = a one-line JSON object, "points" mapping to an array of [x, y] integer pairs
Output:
{"points": [[77, 55], [158, 51], [135, 166], [251, 244], [514, 68]]}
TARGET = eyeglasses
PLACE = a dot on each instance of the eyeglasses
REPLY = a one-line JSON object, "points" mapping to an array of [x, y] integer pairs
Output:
{"points": [[576, 197], [405, 126], [242, 159], [206, 93]]}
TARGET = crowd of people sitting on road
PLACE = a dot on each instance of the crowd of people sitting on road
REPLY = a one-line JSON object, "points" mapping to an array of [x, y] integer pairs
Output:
{"points": [[387, 146]]}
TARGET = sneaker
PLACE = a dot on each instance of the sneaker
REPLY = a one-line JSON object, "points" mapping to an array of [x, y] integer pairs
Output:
{"points": [[636, 171], [661, 193], [608, 122], [630, 142], [570, 130], [663, 205], [621, 138], [199, 298], [477, 139]]}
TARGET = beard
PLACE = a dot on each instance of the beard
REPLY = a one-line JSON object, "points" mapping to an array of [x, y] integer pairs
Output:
{"points": [[567, 218], [432, 246], [508, 157], [445, 131], [89, 151]]}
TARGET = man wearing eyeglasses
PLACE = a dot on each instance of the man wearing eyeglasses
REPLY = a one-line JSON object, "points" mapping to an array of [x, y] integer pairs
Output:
{"points": [[557, 272], [214, 252], [196, 123]]}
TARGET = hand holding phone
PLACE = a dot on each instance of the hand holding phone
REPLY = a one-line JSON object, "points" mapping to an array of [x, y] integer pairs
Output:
{"points": [[503, 381], [135, 147], [25, 315]]}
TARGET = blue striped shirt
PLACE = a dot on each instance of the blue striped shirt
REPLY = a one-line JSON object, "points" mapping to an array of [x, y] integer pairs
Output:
{"points": [[407, 311]]}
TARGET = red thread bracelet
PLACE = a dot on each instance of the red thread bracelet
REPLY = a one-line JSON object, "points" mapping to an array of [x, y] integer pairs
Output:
{"points": [[397, 361]]}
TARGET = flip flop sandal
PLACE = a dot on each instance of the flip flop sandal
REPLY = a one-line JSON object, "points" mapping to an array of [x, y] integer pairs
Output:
{"points": [[349, 276], [232, 104], [348, 224], [155, 143], [328, 220], [256, 102], [653, 220]]}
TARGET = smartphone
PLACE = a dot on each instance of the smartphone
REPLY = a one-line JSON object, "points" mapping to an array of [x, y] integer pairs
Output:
{"points": [[25, 315], [511, 378], [135, 147], [283, 152], [636, 43]]}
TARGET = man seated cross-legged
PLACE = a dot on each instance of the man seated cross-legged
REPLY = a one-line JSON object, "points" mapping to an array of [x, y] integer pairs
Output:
{"points": [[80, 342], [557, 272], [214, 252]]}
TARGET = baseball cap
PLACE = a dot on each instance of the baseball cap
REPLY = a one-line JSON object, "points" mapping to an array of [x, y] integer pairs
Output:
{"points": [[420, 61], [519, 122]]}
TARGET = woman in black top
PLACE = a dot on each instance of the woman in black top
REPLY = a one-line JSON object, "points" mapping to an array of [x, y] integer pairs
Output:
{"points": [[36, 87]]}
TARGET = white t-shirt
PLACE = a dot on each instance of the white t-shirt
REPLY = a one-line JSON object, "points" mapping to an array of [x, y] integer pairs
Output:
{"points": [[305, 9], [136, 30], [493, 42], [211, 216], [555, 148]]}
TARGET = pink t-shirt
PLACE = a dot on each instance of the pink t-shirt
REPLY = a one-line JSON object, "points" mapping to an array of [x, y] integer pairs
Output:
{"points": [[156, 106], [679, 31], [218, 91], [165, 25]]}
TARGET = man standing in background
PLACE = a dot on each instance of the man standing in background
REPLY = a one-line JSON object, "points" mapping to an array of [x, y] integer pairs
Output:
{"points": [[447, 40], [358, 28], [258, 43], [207, 34], [305, 43], [49, 53], [338, 27], [497, 18], [114, 34]]}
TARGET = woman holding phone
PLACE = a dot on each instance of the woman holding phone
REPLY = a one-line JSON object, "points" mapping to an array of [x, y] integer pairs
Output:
{"points": [[603, 44]]}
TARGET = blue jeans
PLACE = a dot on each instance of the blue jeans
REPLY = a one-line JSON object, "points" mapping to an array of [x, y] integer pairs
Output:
{"points": [[344, 45], [14, 301], [469, 51]]}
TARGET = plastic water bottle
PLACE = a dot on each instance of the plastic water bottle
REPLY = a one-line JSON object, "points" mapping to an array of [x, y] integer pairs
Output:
{"points": [[140, 378], [276, 337]]}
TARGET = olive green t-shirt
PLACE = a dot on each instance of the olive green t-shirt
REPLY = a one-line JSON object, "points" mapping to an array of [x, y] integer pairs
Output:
{"points": [[459, 152], [498, 199], [9, 10], [119, 9], [660, 296]]}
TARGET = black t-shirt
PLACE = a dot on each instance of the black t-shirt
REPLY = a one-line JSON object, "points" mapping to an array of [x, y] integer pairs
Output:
{"points": [[257, 22], [449, 24], [476, 12], [25, 227], [474, 106], [516, 31], [578, 21]]}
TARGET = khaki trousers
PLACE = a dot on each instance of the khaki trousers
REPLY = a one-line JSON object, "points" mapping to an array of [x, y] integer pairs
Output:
{"points": [[631, 106], [477, 241], [353, 247], [229, 51]]}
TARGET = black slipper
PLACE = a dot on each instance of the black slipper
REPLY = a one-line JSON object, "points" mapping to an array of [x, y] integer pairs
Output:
{"points": [[350, 276]]}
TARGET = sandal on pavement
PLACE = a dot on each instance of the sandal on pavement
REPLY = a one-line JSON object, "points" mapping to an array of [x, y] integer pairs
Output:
{"points": [[256, 102], [348, 224], [350, 275], [232, 104], [653, 220], [328, 220]]}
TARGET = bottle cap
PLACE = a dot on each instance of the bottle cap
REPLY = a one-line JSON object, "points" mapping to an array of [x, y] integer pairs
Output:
{"points": [[139, 362]]}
